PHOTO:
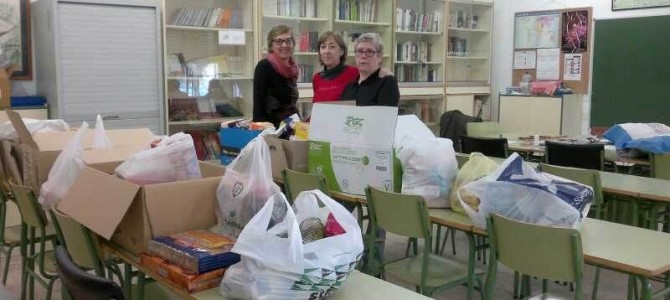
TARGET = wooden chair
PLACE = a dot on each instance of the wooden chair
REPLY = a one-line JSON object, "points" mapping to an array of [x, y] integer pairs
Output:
{"points": [[549, 253], [296, 182], [38, 264], [407, 215], [495, 147], [584, 156]]}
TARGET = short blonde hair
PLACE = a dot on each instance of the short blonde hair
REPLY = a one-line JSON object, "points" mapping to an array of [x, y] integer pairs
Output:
{"points": [[371, 37], [276, 31]]}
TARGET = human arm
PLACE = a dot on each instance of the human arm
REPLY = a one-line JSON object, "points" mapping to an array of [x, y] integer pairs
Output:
{"points": [[261, 88], [383, 72], [389, 93]]}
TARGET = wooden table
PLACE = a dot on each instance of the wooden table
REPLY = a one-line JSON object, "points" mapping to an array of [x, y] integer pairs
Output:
{"points": [[358, 286], [515, 145]]}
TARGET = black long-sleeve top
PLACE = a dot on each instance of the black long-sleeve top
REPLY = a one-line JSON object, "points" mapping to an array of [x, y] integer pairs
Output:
{"points": [[269, 83], [373, 91]]}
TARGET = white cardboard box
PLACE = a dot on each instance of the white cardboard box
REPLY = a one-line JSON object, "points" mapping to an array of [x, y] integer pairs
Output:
{"points": [[353, 147]]}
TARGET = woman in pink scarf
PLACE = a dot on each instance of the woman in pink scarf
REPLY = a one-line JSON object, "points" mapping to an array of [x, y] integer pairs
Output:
{"points": [[275, 88]]}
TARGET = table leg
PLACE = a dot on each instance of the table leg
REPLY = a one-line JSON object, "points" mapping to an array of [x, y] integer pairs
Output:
{"points": [[471, 266], [646, 288]]}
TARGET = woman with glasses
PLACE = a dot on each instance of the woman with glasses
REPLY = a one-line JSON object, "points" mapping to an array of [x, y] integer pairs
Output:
{"points": [[369, 88], [275, 77]]}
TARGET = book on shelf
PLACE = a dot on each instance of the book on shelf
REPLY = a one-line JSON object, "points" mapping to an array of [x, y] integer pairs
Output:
{"points": [[214, 17], [183, 109], [413, 51], [207, 144], [306, 73], [457, 46], [416, 73], [411, 20], [308, 41], [357, 10], [290, 8]]}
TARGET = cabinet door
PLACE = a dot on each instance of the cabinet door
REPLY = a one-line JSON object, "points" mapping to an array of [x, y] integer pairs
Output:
{"points": [[512, 116], [464, 103], [544, 115]]}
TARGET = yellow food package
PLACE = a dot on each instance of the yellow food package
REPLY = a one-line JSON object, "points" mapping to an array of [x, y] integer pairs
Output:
{"points": [[475, 168], [301, 131]]}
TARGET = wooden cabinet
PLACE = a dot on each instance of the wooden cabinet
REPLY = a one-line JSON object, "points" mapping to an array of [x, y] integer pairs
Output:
{"points": [[544, 115]]}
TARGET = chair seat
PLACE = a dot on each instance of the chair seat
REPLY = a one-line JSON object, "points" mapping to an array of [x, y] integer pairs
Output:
{"points": [[550, 296], [440, 270], [50, 262], [13, 235]]}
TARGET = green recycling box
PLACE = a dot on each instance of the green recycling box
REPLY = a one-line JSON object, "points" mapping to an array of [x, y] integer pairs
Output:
{"points": [[353, 147]]}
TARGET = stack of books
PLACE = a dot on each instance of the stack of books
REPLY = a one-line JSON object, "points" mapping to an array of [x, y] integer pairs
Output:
{"points": [[193, 260]]}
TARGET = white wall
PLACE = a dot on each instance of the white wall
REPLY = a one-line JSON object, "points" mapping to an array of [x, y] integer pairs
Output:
{"points": [[503, 37]]}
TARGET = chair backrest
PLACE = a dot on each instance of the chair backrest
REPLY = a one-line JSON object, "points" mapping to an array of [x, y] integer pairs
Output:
{"points": [[10, 162], [82, 285], [541, 251], [79, 242], [462, 158], [583, 176], [400, 214], [495, 147], [585, 156], [483, 129], [296, 182], [31, 212], [660, 165]]}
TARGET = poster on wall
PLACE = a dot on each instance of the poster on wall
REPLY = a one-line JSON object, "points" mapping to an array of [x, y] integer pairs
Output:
{"points": [[572, 67], [524, 60], [575, 31], [537, 30], [636, 4], [15, 37], [548, 64]]}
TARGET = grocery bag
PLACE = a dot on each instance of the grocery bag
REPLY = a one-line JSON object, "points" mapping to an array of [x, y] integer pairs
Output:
{"points": [[100, 139], [429, 169], [173, 159], [477, 166], [275, 261], [245, 187], [64, 171], [517, 191]]}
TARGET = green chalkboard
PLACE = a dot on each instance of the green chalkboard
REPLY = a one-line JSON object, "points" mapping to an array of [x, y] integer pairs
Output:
{"points": [[631, 71]]}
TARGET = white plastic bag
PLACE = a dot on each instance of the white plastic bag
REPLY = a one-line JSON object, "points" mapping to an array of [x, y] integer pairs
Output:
{"points": [[174, 159], [275, 264], [64, 171], [7, 131], [429, 169], [245, 187], [519, 192], [100, 140]]}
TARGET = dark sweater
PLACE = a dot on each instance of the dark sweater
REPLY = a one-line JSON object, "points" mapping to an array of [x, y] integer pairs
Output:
{"points": [[270, 84], [373, 91]]}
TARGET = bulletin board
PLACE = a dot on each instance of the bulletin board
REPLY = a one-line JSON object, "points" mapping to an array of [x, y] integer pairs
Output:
{"points": [[554, 45]]}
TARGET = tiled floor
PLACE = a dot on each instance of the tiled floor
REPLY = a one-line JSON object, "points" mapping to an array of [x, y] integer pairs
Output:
{"points": [[612, 285]]}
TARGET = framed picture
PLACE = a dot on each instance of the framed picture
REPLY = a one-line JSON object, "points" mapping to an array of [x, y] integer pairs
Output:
{"points": [[15, 37], [637, 4]]}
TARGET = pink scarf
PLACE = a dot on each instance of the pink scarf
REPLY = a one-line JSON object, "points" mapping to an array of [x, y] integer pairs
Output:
{"points": [[287, 70]]}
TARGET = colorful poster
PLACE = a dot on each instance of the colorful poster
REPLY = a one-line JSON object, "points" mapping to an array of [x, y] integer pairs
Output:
{"points": [[575, 31], [572, 67]]}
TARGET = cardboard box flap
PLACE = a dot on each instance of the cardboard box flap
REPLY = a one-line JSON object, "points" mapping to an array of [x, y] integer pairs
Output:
{"points": [[21, 130], [208, 169], [277, 155], [98, 201], [362, 125], [181, 206], [138, 138]]}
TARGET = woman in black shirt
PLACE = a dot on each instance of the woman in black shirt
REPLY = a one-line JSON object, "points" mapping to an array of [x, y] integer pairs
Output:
{"points": [[275, 77], [368, 88]]}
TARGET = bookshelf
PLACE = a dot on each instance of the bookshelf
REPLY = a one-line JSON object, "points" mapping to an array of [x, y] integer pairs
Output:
{"points": [[210, 51], [430, 73]]}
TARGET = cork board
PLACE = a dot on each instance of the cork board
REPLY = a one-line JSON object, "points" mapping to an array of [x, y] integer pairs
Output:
{"points": [[568, 43]]}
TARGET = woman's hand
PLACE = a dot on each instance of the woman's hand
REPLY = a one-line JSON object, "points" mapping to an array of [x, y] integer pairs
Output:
{"points": [[383, 72]]}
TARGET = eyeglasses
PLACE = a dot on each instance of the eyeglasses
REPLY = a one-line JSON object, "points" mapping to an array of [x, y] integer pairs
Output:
{"points": [[279, 42], [367, 53]]}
